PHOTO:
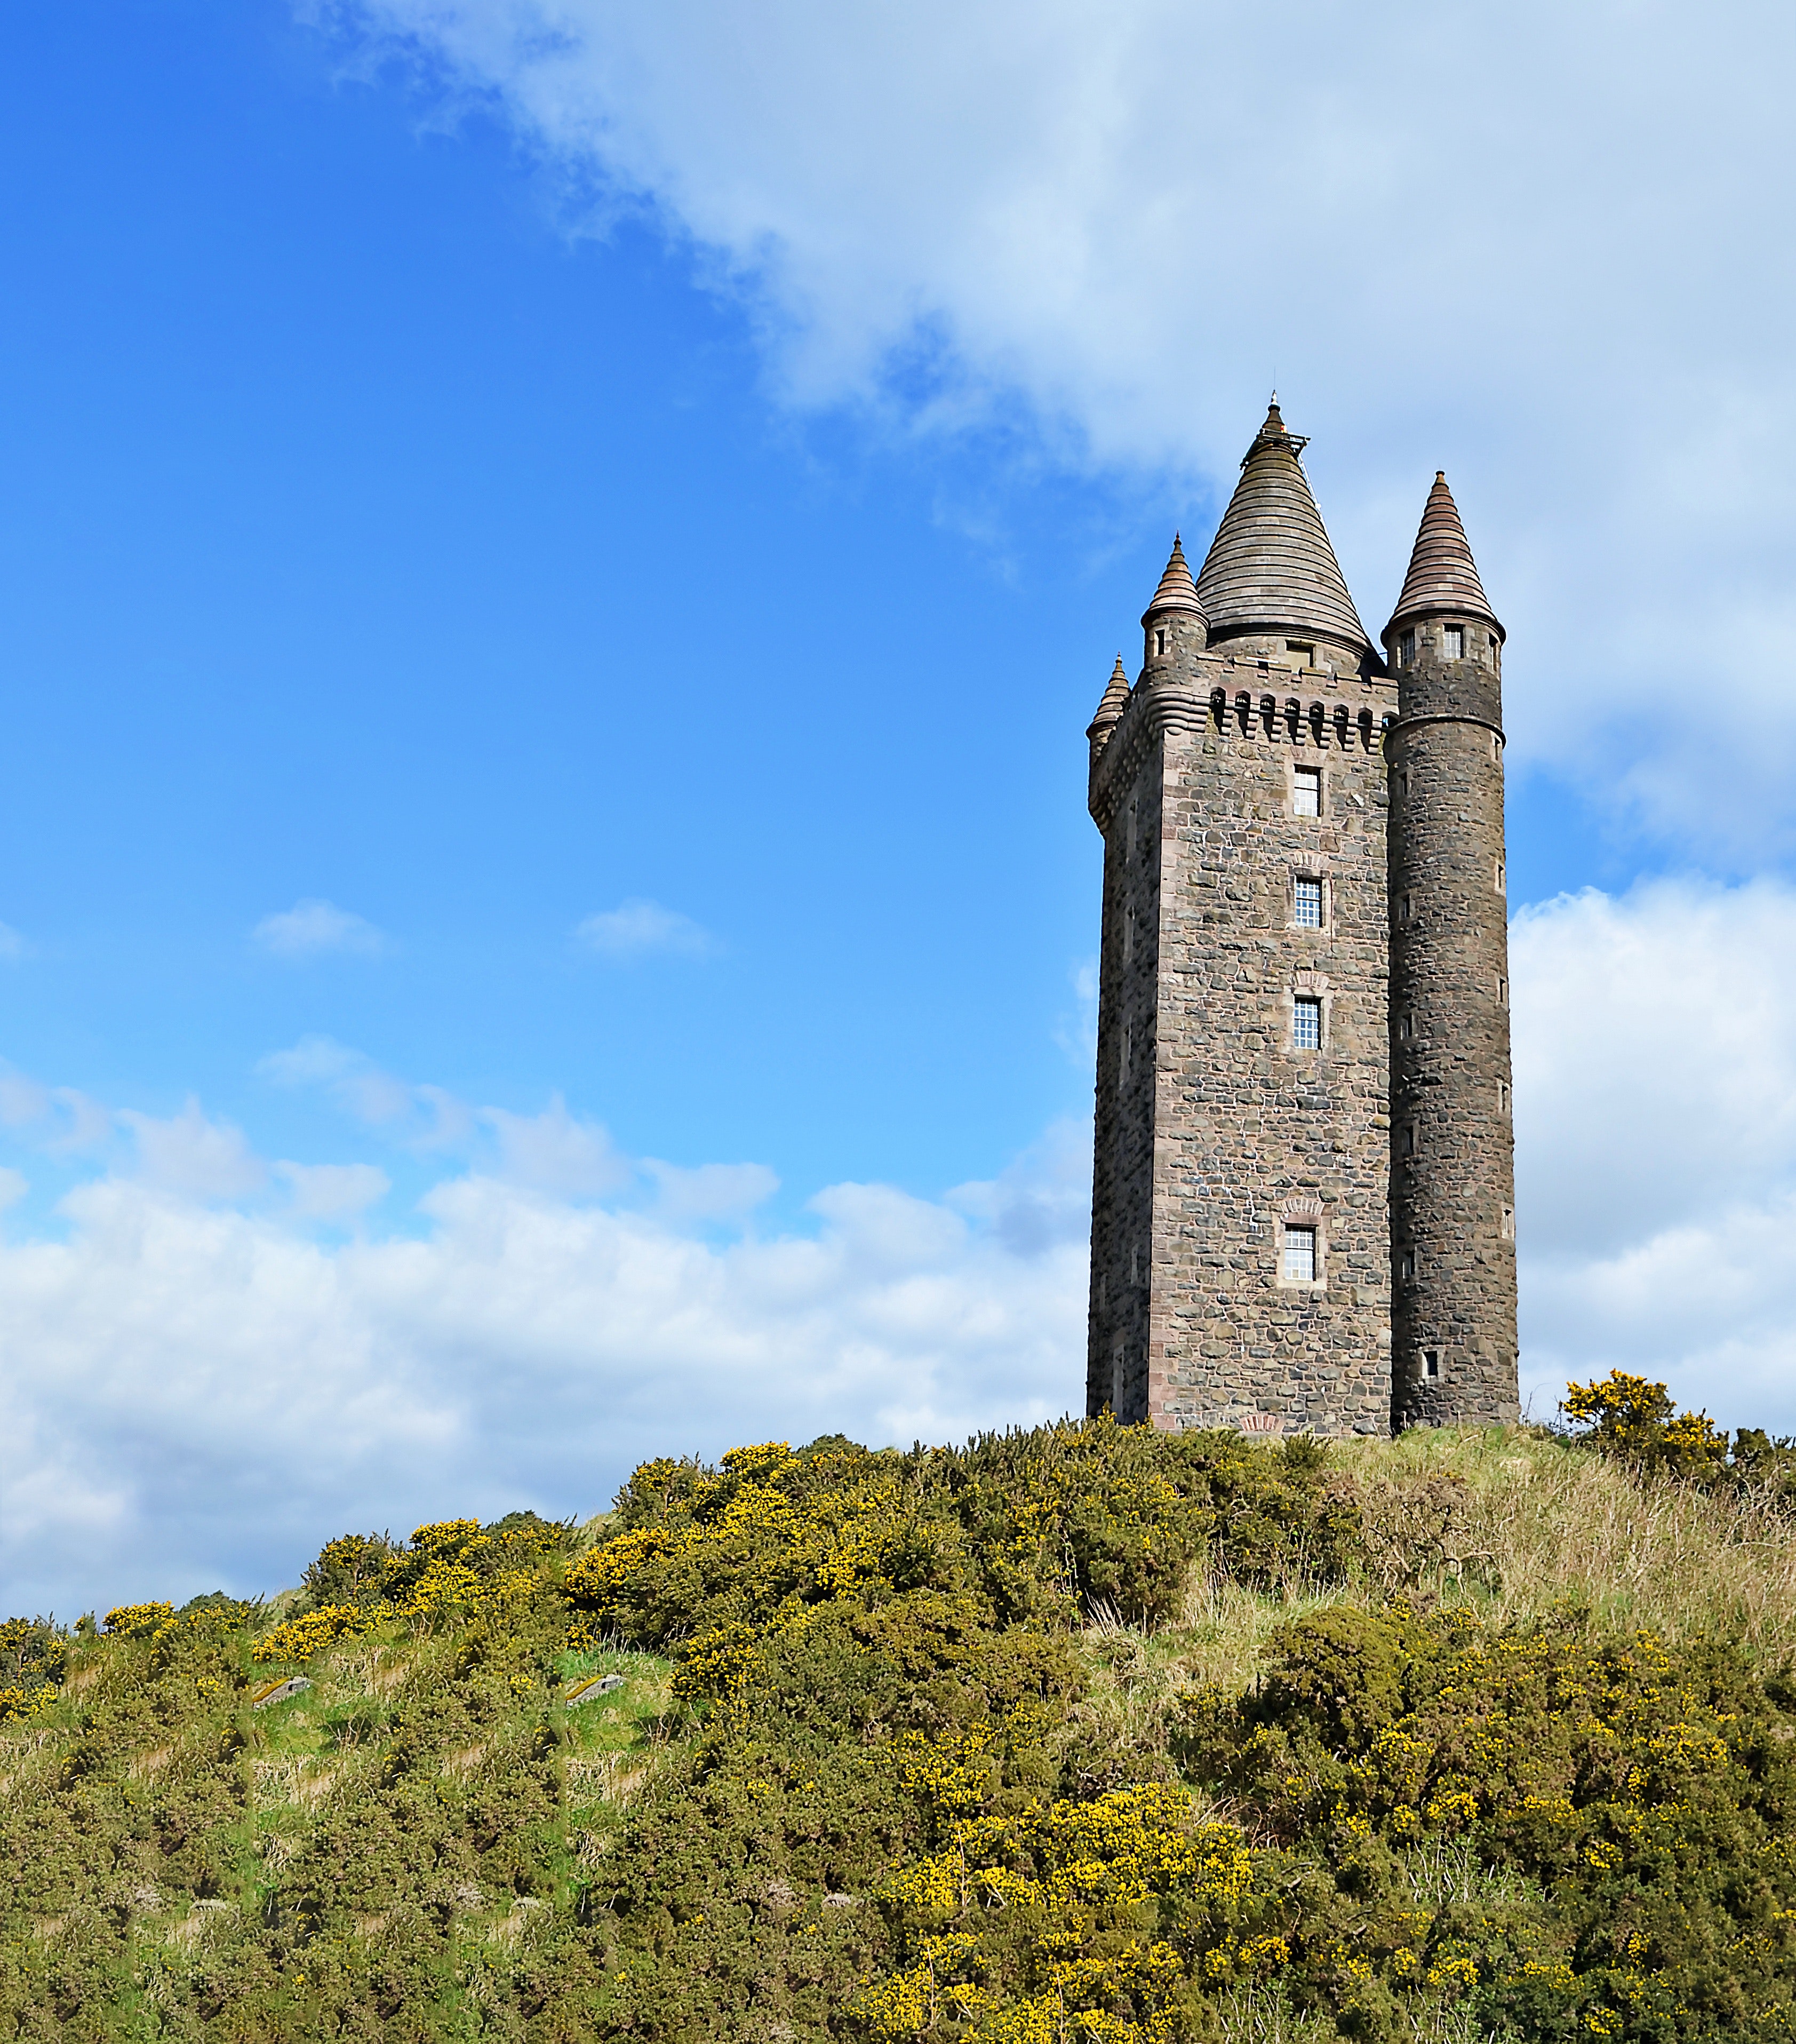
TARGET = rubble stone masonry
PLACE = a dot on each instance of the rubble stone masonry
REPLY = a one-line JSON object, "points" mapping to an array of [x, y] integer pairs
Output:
{"points": [[1217, 1135]]}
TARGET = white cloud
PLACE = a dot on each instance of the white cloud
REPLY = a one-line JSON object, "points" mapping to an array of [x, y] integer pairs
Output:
{"points": [[1128, 221], [315, 929], [189, 1153], [551, 1152], [637, 928], [1656, 1142], [333, 1192], [709, 1191], [424, 1117], [197, 1396]]}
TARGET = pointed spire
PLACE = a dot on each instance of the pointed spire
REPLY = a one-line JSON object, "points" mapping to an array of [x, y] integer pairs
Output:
{"points": [[1270, 567], [1111, 707], [1176, 591], [1443, 575]]}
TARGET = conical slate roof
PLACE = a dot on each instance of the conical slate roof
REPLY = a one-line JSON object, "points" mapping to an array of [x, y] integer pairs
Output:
{"points": [[1113, 700], [1176, 591], [1443, 575], [1270, 567]]}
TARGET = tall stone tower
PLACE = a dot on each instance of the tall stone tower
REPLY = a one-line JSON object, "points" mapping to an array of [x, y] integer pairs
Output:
{"points": [[1453, 1178], [1242, 1245]]}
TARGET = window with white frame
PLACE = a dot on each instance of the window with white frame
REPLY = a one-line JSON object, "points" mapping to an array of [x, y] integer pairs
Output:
{"points": [[1452, 642], [1306, 1022], [1299, 1254], [1406, 649], [1307, 903], [1431, 1363], [1306, 791]]}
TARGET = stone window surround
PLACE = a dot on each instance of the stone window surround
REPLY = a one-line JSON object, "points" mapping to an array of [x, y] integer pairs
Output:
{"points": [[1315, 987], [1301, 1213], [1316, 870], [1292, 768]]}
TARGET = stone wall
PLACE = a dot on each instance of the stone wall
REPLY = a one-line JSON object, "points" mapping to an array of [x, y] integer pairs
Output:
{"points": [[1243, 1133]]}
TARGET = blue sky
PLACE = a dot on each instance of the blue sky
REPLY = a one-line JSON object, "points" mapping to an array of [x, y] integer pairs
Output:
{"points": [[634, 519]]}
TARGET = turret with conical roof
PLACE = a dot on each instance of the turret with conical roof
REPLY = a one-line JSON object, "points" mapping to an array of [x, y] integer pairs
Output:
{"points": [[1271, 573], [1453, 1196], [1174, 628], [1111, 706]]}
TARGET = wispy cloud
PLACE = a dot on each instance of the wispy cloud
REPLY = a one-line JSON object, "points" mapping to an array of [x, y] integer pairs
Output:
{"points": [[333, 1192], [191, 1154], [315, 929], [942, 217], [637, 928], [551, 1152]]}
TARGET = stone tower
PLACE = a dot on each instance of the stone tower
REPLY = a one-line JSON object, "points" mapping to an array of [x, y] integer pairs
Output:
{"points": [[1242, 1253], [1241, 1241], [1453, 1179]]}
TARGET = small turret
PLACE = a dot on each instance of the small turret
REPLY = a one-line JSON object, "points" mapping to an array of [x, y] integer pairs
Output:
{"points": [[1452, 1196], [1444, 642], [1174, 623], [1111, 706]]}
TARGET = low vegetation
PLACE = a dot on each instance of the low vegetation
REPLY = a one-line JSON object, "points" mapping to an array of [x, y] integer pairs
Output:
{"points": [[1084, 1733]]}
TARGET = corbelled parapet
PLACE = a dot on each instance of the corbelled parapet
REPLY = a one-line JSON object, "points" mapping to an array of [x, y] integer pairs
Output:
{"points": [[1453, 1196]]}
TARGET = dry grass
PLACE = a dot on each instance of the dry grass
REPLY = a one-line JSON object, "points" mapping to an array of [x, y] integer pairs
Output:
{"points": [[1515, 1522], [1562, 1530]]}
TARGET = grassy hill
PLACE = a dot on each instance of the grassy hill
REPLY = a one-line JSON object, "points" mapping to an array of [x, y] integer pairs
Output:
{"points": [[1085, 1734]]}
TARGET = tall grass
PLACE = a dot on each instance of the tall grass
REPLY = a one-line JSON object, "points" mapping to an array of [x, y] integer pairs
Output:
{"points": [[1520, 1524]]}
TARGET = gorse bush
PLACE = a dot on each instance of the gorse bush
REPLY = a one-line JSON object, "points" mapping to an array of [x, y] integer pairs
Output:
{"points": [[1083, 1735]]}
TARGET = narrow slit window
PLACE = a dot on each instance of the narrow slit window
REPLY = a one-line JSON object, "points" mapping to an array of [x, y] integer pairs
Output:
{"points": [[1502, 1097], [1159, 643], [1309, 904], [1452, 642], [1306, 1022], [1128, 934], [1306, 791], [1300, 1255], [1406, 1142], [1119, 1374], [1128, 1046], [1431, 1362], [1499, 876], [1405, 909], [1509, 1223], [1405, 1028], [1406, 1266]]}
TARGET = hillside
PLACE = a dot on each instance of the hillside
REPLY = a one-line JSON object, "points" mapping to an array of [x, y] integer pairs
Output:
{"points": [[1087, 1734]]}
